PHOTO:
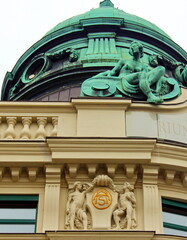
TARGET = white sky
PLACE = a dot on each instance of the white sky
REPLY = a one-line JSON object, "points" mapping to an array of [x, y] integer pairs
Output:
{"points": [[23, 22]]}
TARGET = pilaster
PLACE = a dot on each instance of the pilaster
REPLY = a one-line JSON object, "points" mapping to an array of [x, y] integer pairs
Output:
{"points": [[151, 199], [52, 198]]}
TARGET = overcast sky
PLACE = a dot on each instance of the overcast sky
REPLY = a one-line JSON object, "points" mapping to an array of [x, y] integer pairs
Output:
{"points": [[23, 22]]}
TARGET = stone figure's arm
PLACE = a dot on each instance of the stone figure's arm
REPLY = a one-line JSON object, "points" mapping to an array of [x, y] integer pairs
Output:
{"points": [[119, 204], [89, 189], [115, 71], [133, 199], [68, 203]]}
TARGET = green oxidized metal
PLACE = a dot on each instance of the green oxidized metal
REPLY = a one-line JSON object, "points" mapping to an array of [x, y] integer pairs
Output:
{"points": [[135, 79], [86, 45]]}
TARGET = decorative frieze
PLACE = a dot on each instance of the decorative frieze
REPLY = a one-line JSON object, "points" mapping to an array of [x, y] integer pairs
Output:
{"points": [[184, 179], [1, 173], [169, 176], [100, 205], [130, 170], [32, 173], [81, 172], [111, 169], [15, 173], [72, 169], [92, 168], [19, 174]]}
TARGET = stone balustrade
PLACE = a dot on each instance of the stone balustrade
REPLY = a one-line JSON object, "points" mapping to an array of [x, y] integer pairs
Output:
{"points": [[27, 127]]}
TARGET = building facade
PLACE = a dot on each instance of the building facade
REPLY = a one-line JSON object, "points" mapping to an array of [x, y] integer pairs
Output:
{"points": [[93, 133]]}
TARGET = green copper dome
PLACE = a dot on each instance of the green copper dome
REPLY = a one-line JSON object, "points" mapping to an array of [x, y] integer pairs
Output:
{"points": [[80, 47], [109, 12]]}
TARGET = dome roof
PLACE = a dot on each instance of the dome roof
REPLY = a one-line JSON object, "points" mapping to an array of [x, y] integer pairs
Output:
{"points": [[108, 12], [79, 48]]}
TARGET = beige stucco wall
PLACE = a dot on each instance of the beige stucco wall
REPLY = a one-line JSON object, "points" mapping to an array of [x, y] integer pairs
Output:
{"points": [[46, 147]]}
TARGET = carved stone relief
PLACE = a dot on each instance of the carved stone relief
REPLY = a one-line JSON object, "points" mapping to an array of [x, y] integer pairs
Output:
{"points": [[101, 205], [125, 214]]}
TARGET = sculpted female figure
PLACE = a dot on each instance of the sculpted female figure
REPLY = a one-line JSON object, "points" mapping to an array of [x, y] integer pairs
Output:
{"points": [[136, 76], [76, 206], [126, 207], [138, 80]]}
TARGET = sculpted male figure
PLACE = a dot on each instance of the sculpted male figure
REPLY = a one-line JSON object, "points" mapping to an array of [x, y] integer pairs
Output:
{"points": [[126, 207], [75, 208]]}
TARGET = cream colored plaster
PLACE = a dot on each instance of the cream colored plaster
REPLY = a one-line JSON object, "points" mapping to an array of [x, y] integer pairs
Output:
{"points": [[174, 193], [110, 236], [97, 118], [157, 169], [97, 150], [62, 209], [157, 125], [173, 157], [104, 235], [92, 118], [24, 151], [52, 198], [151, 199], [173, 127], [139, 208], [23, 237], [67, 125], [91, 235], [101, 123], [38, 108], [151, 208], [142, 124]]}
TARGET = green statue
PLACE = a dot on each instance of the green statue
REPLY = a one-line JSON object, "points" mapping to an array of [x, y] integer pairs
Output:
{"points": [[180, 73], [133, 78], [135, 75]]}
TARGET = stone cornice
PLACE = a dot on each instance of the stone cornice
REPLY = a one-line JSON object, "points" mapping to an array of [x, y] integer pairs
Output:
{"points": [[94, 235], [137, 158], [35, 107], [88, 103], [99, 149], [73, 149], [12, 108], [171, 156], [24, 153]]}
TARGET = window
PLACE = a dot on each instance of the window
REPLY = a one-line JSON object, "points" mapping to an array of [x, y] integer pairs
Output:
{"points": [[174, 217], [18, 213]]}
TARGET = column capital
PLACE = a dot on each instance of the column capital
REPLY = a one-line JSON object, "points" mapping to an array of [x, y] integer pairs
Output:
{"points": [[150, 174], [53, 173]]}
